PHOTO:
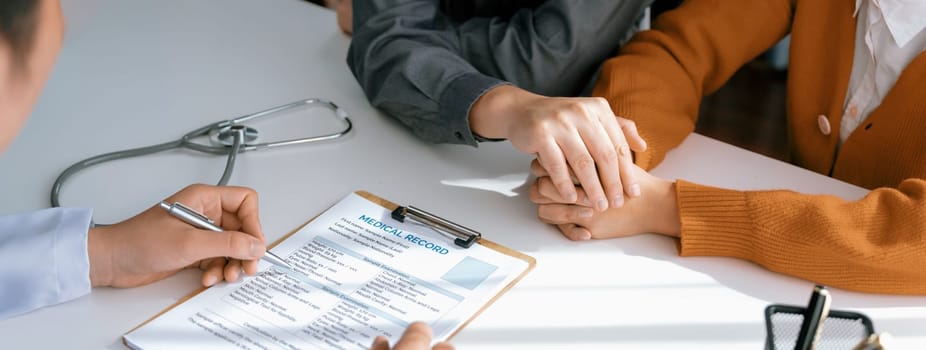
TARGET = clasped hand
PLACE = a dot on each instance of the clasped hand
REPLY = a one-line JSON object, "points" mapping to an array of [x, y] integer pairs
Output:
{"points": [[570, 136], [656, 212]]}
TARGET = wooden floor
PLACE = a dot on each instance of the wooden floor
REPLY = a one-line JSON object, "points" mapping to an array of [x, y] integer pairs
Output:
{"points": [[749, 111]]}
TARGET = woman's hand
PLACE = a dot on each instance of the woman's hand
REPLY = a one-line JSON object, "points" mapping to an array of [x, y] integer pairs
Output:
{"points": [[657, 212]]}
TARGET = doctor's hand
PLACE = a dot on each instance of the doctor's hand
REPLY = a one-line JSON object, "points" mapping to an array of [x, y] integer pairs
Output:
{"points": [[657, 212], [153, 245], [416, 337], [570, 136]]}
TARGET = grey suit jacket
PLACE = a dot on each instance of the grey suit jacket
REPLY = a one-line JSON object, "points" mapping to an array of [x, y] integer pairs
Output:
{"points": [[426, 69]]}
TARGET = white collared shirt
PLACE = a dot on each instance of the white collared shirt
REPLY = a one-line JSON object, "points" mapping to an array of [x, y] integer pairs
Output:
{"points": [[888, 35]]}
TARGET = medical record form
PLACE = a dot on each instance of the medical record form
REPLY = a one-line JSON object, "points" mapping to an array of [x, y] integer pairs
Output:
{"points": [[361, 274]]}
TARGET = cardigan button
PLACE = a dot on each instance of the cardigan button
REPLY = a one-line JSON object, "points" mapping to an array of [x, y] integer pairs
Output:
{"points": [[824, 124]]}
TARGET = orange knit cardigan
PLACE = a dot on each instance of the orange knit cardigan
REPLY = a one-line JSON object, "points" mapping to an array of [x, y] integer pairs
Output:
{"points": [[876, 244]]}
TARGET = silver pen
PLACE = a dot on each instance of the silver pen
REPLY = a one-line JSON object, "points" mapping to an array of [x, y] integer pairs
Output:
{"points": [[198, 220]]}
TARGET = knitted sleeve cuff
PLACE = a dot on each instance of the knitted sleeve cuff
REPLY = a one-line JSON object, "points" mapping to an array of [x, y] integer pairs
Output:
{"points": [[715, 222]]}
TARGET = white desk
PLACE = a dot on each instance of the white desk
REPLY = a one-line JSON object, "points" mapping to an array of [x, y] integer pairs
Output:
{"points": [[138, 72]]}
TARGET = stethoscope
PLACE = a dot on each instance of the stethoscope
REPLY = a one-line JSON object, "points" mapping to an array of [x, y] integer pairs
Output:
{"points": [[226, 137]]}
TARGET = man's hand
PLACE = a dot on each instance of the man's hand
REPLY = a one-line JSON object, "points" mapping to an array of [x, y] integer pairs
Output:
{"points": [[416, 337], [577, 135], [154, 245], [657, 212], [344, 9]]}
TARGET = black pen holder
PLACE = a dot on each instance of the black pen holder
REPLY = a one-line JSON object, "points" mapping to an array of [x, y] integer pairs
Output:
{"points": [[842, 330]]}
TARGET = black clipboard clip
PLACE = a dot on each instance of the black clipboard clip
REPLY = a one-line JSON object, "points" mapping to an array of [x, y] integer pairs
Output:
{"points": [[462, 236]]}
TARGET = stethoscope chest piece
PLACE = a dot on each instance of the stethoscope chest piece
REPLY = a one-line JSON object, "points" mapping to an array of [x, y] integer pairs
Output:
{"points": [[225, 135]]}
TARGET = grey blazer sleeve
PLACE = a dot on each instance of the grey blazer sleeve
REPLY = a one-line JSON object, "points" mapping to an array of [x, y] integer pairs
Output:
{"points": [[422, 68]]}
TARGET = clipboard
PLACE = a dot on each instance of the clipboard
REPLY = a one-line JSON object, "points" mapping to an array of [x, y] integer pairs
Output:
{"points": [[460, 235]]}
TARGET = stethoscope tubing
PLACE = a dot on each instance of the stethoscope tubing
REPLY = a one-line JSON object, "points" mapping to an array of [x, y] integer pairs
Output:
{"points": [[186, 141], [103, 158]]}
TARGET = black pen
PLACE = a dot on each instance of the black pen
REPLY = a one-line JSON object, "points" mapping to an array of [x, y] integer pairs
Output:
{"points": [[192, 217], [817, 310]]}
